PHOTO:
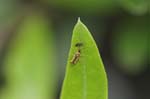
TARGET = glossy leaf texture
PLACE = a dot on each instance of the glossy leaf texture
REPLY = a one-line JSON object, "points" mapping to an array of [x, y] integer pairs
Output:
{"points": [[85, 76], [30, 62]]}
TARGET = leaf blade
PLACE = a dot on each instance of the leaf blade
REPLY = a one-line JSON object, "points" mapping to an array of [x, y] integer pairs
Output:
{"points": [[29, 63], [87, 78]]}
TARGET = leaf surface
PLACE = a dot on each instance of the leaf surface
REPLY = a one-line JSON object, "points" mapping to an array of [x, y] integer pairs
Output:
{"points": [[86, 78], [29, 63]]}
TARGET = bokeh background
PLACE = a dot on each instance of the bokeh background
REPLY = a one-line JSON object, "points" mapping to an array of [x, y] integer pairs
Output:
{"points": [[120, 28]]}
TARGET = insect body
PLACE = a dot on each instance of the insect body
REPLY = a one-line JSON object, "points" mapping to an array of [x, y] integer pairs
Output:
{"points": [[76, 57], [79, 45]]}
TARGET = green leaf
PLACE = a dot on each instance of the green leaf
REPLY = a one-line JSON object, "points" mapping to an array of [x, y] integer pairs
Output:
{"points": [[130, 44], [136, 7], [85, 79], [83, 6], [29, 63]]}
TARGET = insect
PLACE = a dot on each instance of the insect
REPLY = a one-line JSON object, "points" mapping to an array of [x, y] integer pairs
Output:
{"points": [[79, 44], [76, 57]]}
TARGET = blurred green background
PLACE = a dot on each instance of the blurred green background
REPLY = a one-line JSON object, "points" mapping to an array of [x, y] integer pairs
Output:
{"points": [[35, 38]]}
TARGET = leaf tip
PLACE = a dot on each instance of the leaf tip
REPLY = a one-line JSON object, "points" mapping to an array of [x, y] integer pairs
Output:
{"points": [[79, 22], [79, 19]]}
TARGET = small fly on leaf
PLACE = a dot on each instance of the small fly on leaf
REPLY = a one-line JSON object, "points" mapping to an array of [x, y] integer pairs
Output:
{"points": [[79, 45], [76, 57]]}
